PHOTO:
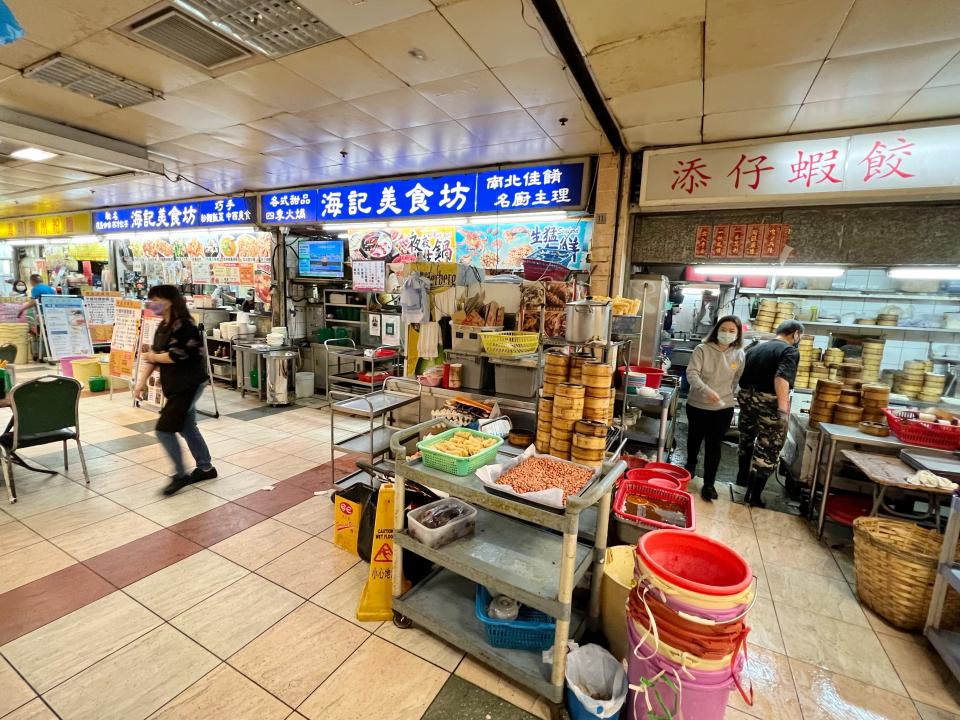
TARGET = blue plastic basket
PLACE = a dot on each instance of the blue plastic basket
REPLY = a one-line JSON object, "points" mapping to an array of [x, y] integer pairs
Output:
{"points": [[532, 630]]}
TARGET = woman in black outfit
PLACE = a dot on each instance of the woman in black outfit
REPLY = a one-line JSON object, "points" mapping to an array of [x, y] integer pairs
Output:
{"points": [[178, 352]]}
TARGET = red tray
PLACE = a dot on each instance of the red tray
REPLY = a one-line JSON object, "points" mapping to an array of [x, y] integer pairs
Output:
{"points": [[634, 487]]}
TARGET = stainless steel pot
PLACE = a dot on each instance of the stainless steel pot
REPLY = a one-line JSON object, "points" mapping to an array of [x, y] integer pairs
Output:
{"points": [[587, 320]]}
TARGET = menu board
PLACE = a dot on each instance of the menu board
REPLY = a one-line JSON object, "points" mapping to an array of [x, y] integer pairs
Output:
{"points": [[65, 326], [148, 329], [125, 338], [100, 307], [369, 275]]}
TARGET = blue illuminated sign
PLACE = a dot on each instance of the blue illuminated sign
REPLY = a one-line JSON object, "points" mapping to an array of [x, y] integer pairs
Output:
{"points": [[542, 187], [173, 216]]}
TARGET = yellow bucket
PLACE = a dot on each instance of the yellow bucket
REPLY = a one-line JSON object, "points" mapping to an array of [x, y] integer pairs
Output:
{"points": [[83, 370], [614, 589]]}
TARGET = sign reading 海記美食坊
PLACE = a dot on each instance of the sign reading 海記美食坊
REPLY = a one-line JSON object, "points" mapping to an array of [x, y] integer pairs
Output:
{"points": [[179, 215], [850, 168], [543, 187]]}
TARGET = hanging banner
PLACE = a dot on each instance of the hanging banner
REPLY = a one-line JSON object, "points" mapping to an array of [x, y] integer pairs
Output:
{"points": [[101, 310], [47, 226], [179, 215], [403, 245], [263, 282], [65, 326], [125, 338], [506, 245]]}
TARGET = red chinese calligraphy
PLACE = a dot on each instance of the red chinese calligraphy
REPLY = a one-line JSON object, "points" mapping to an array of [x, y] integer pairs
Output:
{"points": [[701, 243], [881, 157], [757, 168], [815, 168], [690, 175]]}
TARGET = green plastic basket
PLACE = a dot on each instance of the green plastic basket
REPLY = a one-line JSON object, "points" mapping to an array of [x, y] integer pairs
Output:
{"points": [[439, 460]]}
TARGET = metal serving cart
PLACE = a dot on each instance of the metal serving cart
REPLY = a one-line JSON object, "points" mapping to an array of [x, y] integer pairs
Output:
{"points": [[529, 553], [351, 361]]}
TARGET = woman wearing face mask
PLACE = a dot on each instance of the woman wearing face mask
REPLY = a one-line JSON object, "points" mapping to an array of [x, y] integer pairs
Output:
{"points": [[713, 372], [178, 352]]}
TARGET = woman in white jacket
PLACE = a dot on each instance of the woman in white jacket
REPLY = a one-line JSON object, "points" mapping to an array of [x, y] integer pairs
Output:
{"points": [[714, 370]]}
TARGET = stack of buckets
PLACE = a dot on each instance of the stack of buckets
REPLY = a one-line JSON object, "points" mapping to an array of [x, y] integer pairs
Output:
{"points": [[686, 627]]}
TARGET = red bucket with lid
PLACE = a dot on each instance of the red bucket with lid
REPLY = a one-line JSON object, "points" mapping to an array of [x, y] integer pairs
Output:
{"points": [[694, 562]]}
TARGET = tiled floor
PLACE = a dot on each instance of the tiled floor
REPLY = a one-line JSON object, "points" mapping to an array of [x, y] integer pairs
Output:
{"points": [[230, 601]]}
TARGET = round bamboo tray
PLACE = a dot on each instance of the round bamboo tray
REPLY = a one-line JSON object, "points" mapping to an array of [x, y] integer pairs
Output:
{"points": [[873, 428], [562, 402], [549, 389], [560, 446], [603, 393], [566, 390], [563, 425], [567, 414], [586, 427], [561, 435], [896, 565], [589, 442]]}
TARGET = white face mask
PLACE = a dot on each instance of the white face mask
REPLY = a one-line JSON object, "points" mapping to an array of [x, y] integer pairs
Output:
{"points": [[725, 338]]}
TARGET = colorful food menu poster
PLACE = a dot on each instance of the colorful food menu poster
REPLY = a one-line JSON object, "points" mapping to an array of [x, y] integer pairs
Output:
{"points": [[201, 272], [404, 245], [65, 326], [100, 307], [506, 245], [148, 330], [369, 276], [263, 282], [226, 273], [126, 336]]}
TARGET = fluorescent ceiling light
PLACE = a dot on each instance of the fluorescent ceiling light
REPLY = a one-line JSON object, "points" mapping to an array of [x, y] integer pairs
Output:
{"points": [[768, 270], [421, 223], [25, 243], [32, 154], [925, 273], [336, 227], [520, 217], [343, 235]]}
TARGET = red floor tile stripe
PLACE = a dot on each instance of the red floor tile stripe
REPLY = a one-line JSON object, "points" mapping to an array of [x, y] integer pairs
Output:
{"points": [[271, 502], [135, 560], [212, 526]]}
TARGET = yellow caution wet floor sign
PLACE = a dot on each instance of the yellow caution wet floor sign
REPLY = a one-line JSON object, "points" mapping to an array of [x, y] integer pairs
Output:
{"points": [[377, 593]]}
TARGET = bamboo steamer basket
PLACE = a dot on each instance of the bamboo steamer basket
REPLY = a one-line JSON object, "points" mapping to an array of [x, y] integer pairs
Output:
{"points": [[874, 390], [557, 358], [545, 425], [896, 564], [930, 397], [564, 402], [849, 396], [554, 377], [574, 457], [915, 365], [600, 415], [563, 425], [587, 427], [873, 428], [596, 374], [549, 389], [847, 413], [572, 414], [567, 390], [934, 380], [873, 416], [545, 405], [597, 392], [560, 436], [589, 442]]}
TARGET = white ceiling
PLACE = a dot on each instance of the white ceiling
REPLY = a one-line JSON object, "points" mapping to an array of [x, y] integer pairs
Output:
{"points": [[490, 89], [691, 71]]}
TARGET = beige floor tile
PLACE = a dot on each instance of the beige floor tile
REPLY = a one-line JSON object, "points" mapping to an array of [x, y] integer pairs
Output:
{"points": [[4, 518], [237, 485], [844, 558], [422, 644], [764, 626], [882, 627], [224, 694], [248, 459], [105, 535], [231, 618], [222, 449], [51, 493], [827, 696], [31, 563], [143, 493], [103, 435], [51, 654], [723, 510], [34, 710], [258, 545], [72, 517], [185, 504], [928, 712], [291, 445], [774, 693], [95, 466], [778, 523], [293, 657], [807, 555], [826, 596], [342, 595], [732, 714], [405, 684], [134, 681], [14, 692], [843, 648], [121, 478], [164, 465], [319, 453], [312, 516], [285, 467], [923, 673], [308, 568], [14, 536], [496, 683], [179, 587]]}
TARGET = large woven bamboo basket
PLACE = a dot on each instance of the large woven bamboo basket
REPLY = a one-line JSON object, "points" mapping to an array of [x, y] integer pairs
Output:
{"points": [[896, 564]]}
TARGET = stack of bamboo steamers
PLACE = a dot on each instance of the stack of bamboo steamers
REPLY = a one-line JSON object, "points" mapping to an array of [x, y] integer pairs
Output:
{"points": [[576, 406]]}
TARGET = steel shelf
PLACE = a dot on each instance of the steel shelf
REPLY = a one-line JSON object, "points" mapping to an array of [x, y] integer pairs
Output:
{"points": [[858, 294], [514, 558], [374, 404], [445, 603], [361, 443]]}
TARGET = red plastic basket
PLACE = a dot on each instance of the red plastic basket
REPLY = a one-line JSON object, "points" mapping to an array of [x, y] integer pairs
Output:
{"points": [[643, 489], [534, 269], [695, 562], [657, 478], [671, 470], [909, 428]]}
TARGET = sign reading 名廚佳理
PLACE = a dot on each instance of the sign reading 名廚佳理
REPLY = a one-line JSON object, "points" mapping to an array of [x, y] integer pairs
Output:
{"points": [[557, 186], [179, 215]]}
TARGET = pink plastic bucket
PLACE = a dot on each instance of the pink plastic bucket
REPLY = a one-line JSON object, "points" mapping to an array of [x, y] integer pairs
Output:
{"points": [[717, 615], [66, 364]]}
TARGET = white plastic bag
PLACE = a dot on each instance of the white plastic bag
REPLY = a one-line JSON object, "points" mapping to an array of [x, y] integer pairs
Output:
{"points": [[597, 679]]}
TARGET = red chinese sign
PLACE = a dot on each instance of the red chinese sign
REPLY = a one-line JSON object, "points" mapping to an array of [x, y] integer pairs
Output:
{"points": [[751, 247], [738, 238], [690, 175], [736, 241], [771, 241], [702, 243], [883, 161], [718, 248]]}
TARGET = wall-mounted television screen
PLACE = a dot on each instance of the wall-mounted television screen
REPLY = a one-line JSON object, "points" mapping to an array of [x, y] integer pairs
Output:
{"points": [[320, 258]]}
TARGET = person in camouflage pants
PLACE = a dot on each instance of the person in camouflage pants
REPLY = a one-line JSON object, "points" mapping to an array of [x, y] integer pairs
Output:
{"points": [[762, 434]]}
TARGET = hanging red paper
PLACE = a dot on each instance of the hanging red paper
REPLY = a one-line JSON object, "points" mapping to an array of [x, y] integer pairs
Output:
{"points": [[702, 242], [738, 238]]}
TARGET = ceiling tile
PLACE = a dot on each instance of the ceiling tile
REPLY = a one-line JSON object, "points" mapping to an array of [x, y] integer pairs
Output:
{"points": [[122, 56], [931, 103], [189, 115], [226, 101], [578, 118], [47, 172], [500, 31], [250, 139], [133, 126], [342, 69], [401, 108], [259, 162], [759, 87], [599, 23], [881, 24], [208, 145], [445, 52], [662, 104], [55, 29], [182, 155], [323, 154], [101, 13], [949, 75], [772, 34], [6, 72], [665, 58], [349, 17], [478, 93], [503, 127], [539, 81], [343, 120], [748, 123], [390, 144], [513, 152], [442, 137], [278, 86], [53, 103], [23, 52], [907, 68], [848, 112], [292, 129], [678, 132], [582, 143]]}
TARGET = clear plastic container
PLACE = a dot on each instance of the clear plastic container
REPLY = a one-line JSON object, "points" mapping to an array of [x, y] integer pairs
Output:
{"points": [[459, 527]]}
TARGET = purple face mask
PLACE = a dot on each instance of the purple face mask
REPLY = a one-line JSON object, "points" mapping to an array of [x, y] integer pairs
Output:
{"points": [[155, 307]]}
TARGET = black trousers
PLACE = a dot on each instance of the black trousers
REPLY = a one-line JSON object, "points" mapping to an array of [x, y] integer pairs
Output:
{"points": [[708, 428]]}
